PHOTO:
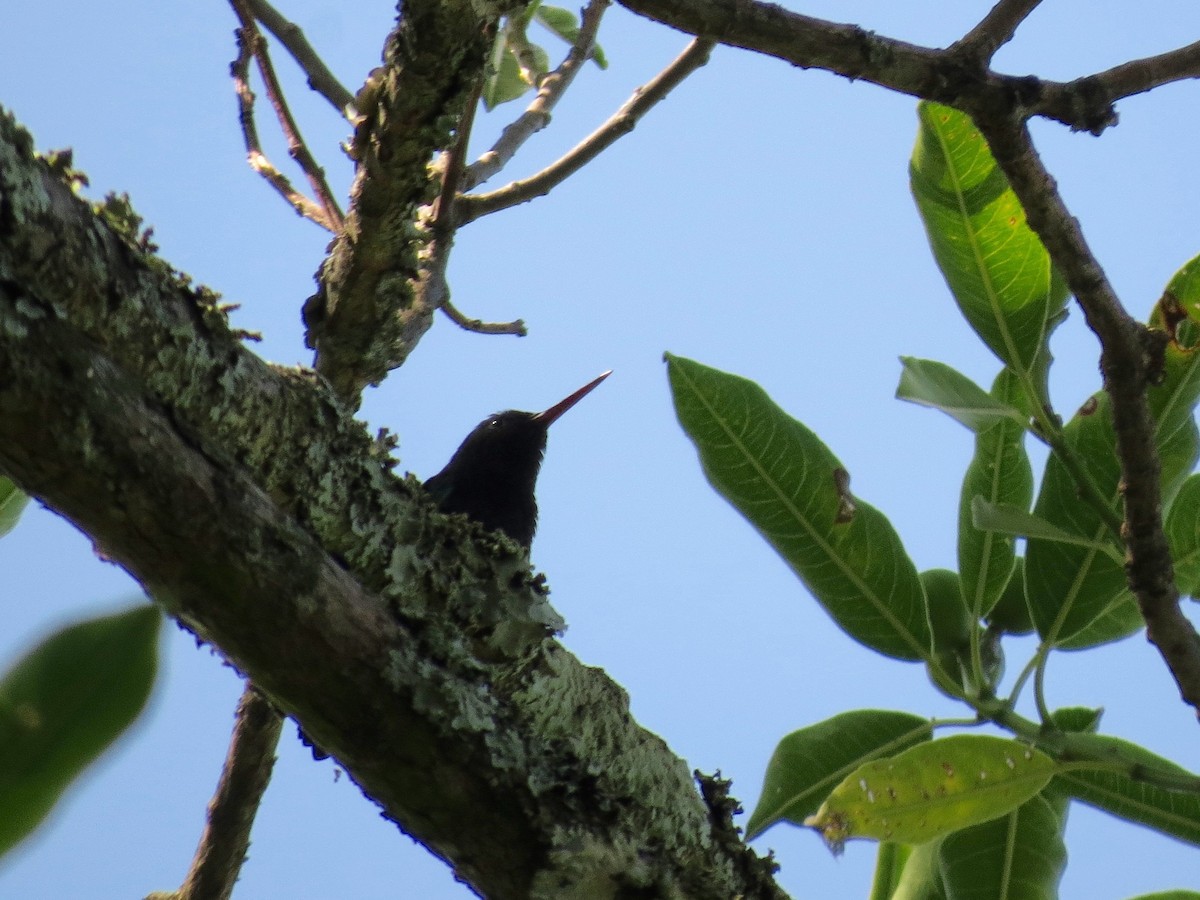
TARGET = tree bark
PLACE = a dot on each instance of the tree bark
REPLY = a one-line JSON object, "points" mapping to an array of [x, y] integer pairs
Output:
{"points": [[413, 648]]}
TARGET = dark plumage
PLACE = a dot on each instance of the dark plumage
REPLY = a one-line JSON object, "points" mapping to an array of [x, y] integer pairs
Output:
{"points": [[492, 475]]}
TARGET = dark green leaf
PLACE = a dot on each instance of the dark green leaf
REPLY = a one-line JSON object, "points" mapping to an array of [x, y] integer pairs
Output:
{"points": [[1175, 813], [808, 763], [63, 704], [1119, 619], [948, 617], [12, 502], [1020, 856], [999, 474], [796, 493], [1083, 719], [933, 789], [1071, 589], [1010, 615], [995, 266]]}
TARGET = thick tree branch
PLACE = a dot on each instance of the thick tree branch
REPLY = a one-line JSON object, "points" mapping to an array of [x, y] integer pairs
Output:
{"points": [[956, 77], [410, 646], [367, 315], [1127, 374]]}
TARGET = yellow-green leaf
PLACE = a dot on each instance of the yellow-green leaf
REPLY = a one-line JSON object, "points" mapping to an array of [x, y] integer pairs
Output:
{"points": [[933, 789]]}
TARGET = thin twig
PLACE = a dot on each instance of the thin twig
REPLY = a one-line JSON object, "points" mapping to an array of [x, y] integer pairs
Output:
{"points": [[331, 215], [550, 91], [222, 848], [453, 168], [320, 79], [478, 326], [433, 288], [694, 56], [995, 29], [1126, 377], [239, 69]]}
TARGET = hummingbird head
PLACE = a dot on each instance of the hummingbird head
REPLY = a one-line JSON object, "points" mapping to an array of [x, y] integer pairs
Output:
{"points": [[492, 475]]}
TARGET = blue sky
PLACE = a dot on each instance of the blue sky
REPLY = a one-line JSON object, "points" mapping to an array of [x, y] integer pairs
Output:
{"points": [[758, 221]]}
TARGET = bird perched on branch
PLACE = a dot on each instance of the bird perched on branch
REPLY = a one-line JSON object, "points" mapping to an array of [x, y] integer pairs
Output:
{"points": [[492, 475]]}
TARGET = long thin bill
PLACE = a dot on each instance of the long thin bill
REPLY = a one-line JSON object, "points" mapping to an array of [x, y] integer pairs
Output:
{"points": [[548, 417]]}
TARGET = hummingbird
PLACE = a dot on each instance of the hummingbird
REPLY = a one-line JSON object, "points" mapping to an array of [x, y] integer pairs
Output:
{"points": [[492, 475]]}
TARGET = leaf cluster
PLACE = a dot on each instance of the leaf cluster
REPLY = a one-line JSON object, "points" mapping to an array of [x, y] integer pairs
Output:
{"points": [[969, 814]]}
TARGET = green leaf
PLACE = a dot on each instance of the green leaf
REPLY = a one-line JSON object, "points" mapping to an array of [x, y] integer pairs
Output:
{"points": [[1010, 615], [1079, 597], [1119, 619], [12, 502], [921, 878], [564, 23], [999, 473], [1012, 520], [1070, 588], [933, 789], [1169, 895], [948, 617], [504, 81], [808, 763], [1183, 534], [994, 264], [796, 493], [1175, 813], [890, 862], [516, 64], [1020, 856], [1082, 719], [63, 704], [936, 385]]}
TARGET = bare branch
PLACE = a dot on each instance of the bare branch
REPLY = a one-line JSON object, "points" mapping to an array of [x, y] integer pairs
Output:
{"points": [[1087, 103], [433, 288], [995, 29], [801, 40], [239, 69], [478, 326], [297, 148], [954, 79], [694, 56], [1142, 75], [222, 848], [1125, 364], [550, 91], [320, 79]]}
